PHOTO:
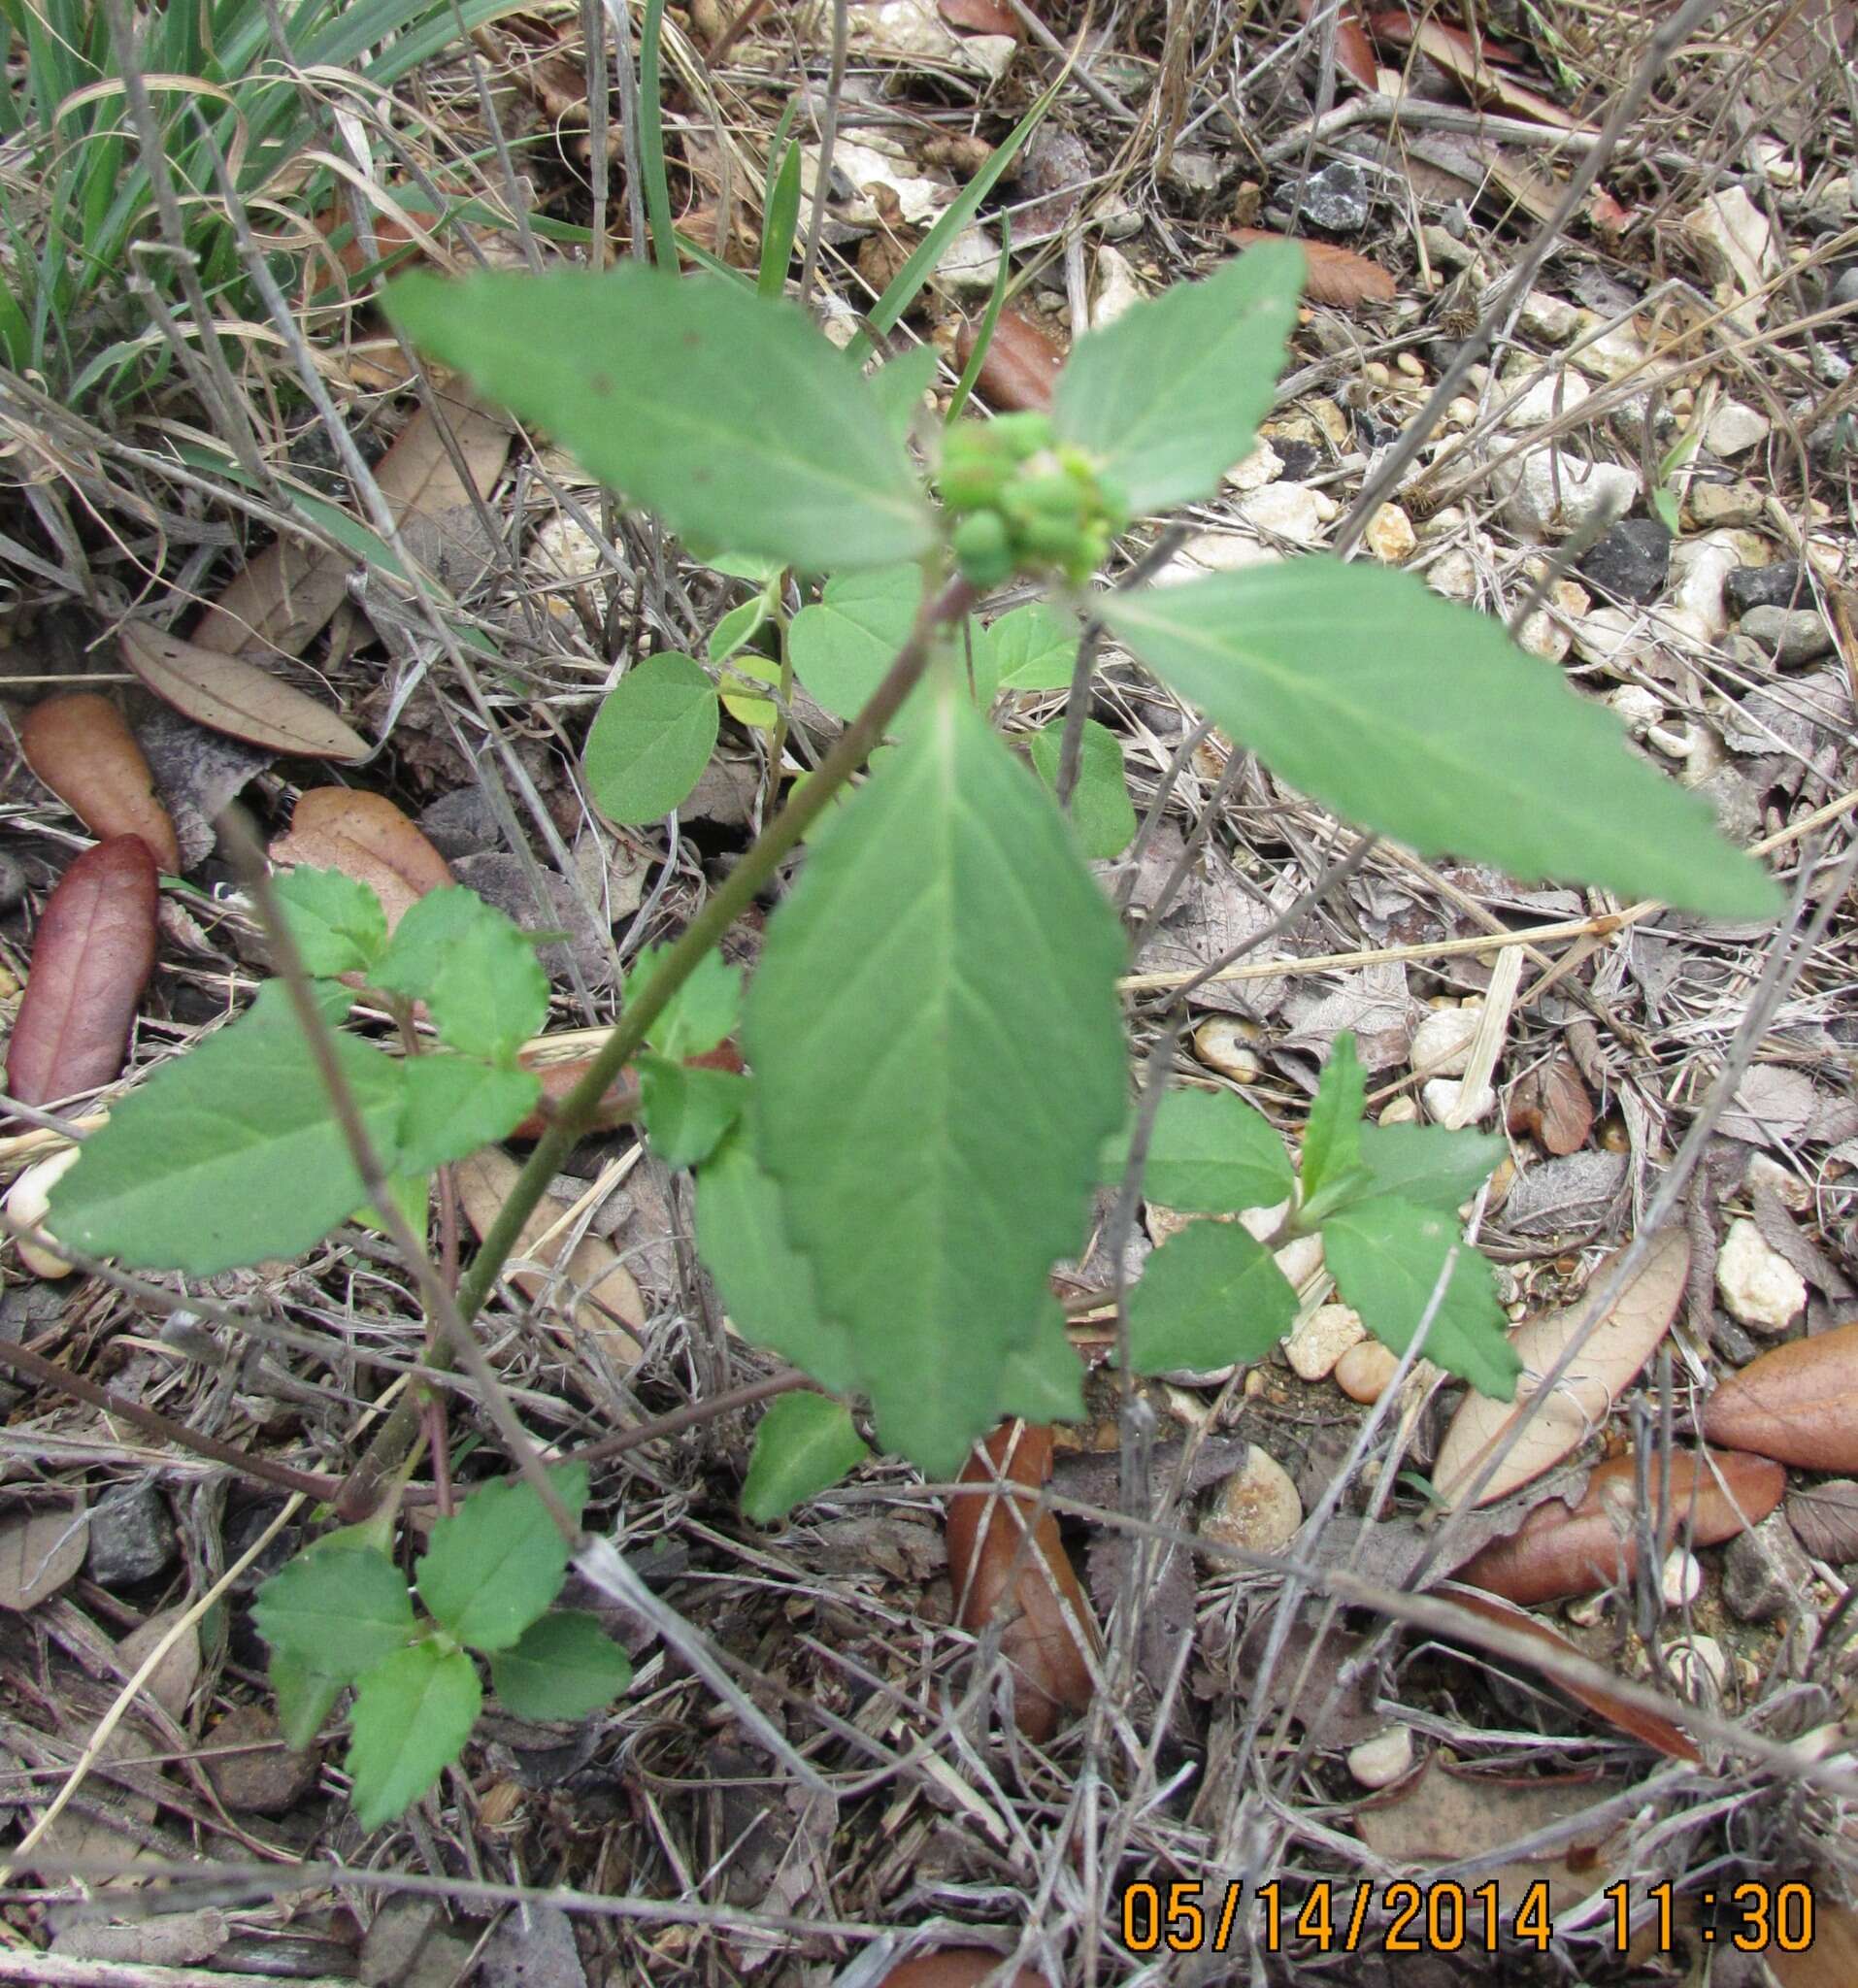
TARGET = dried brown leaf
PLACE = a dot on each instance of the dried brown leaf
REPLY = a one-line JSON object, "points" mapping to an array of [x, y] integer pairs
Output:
{"points": [[1550, 1105], [959, 1966], [1824, 1518], [172, 1681], [1616, 1349], [83, 748], [1021, 366], [1831, 1959], [1354, 52], [606, 1299], [1011, 1569], [1798, 1404], [1649, 1727], [1559, 1550], [1465, 61], [226, 694], [367, 838], [91, 958], [40, 1552], [1332, 275], [981, 17]]}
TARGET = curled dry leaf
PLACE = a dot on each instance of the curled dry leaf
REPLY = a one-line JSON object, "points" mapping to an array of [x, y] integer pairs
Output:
{"points": [[30, 1201], [959, 1966], [1559, 1550], [228, 695], [1654, 1731], [1001, 1576], [91, 958], [1021, 366], [620, 1104], [40, 1552], [1824, 1518], [1550, 1105], [981, 17], [606, 1299], [1354, 52], [1798, 1404], [81, 747], [1332, 275], [367, 838], [1616, 1349], [1469, 66]]}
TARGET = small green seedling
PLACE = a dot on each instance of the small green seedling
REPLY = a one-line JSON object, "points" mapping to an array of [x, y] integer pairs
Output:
{"points": [[341, 1613]]}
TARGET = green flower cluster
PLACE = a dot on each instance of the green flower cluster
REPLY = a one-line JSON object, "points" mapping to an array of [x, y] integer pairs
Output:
{"points": [[1024, 503]]}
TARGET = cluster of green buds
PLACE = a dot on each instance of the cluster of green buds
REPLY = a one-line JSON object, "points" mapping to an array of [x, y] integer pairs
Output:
{"points": [[1022, 502]]}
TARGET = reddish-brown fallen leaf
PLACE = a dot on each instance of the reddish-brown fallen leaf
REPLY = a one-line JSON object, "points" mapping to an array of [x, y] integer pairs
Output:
{"points": [[1649, 1727], [1798, 1404], [83, 748], [1550, 1105], [1021, 366], [366, 837], [1028, 1585], [621, 1102], [1471, 68], [1559, 1550], [1332, 275], [1354, 52], [91, 958], [1831, 1960], [981, 17], [958, 1967], [228, 695]]}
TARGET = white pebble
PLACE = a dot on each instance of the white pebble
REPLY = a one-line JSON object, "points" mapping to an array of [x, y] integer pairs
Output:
{"points": [[1611, 635], [1734, 428], [1698, 1667], [1390, 536], [1444, 1107], [1454, 575], [1289, 510], [1548, 318], [1547, 400], [1639, 707], [1554, 490], [1379, 1762], [1322, 1339], [1222, 1044], [1441, 1042], [1401, 1111], [1681, 1580], [1758, 1284], [1264, 465], [1364, 1372]]}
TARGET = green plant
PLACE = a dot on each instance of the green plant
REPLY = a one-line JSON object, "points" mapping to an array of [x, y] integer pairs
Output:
{"points": [[933, 1033], [341, 1614]]}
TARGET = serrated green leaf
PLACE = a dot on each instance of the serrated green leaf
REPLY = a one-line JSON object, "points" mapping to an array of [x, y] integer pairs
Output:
{"points": [[900, 385], [1170, 396], [493, 1566], [843, 644], [231, 1153], [652, 739], [938, 1055], [305, 1697], [1101, 811], [455, 1105], [766, 1287], [1035, 647], [1211, 1153], [806, 1445], [1332, 1138], [337, 1614], [703, 1011], [1210, 1297], [476, 971], [1043, 1382], [409, 1721], [1428, 1165], [1387, 1255], [563, 1666], [686, 1111], [725, 413], [337, 922], [1421, 719]]}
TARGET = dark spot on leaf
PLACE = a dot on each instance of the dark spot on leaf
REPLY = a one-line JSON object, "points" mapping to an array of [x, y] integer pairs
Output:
{"points": [[601, 383], [692, 340]]}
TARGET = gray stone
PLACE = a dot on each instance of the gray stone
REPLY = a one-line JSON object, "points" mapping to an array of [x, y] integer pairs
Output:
{"points": [[1714, 505], [1552, 489], [1845, 290], [1778, 586], [12, 883], [534, 1947], [461, 823], [1629, 560], [132, 1537], [1765, 1573], [1789, 635], [1336, 198]]}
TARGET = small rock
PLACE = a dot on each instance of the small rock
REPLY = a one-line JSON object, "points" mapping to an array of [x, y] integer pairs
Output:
{"points": [[1758, 1284], [1256, 1509], [1195, 174], [1117, 287], [1680, 1580], [1289, 510], [1736, 428], [461, 823], [1364, 1372], [251, 1771], [1612, 355], [1461, 412], [1390, 536], [1638, 707], [1796, 635], [1445, 250], [132, 1537], [1401, 1111], [1629, 561], [969, 263], [1446, 1105], [1336, 198], [1733, 241], [1765, 1171], [1779, 586], [1701, 567], [1548, 318], [1264, 465], [1441, 1042], [1552, 489], [1379, 1762], [1831, 364], [1698, 1668], [1454, 575], [1222, 1044], [1715, 505], [1611, 636], [564, 548], [1766, 1573], [1322, 1339], [1543, 635], [1845, 292], [1547, 400]]}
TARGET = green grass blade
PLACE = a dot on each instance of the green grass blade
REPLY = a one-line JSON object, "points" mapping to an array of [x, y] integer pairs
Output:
{"points": [[651, 137], [780, 219], [990, 318]]}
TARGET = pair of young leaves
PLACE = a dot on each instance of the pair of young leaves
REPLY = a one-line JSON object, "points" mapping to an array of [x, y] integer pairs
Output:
{"points": [[341, 1613], [1384, 1199]]}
